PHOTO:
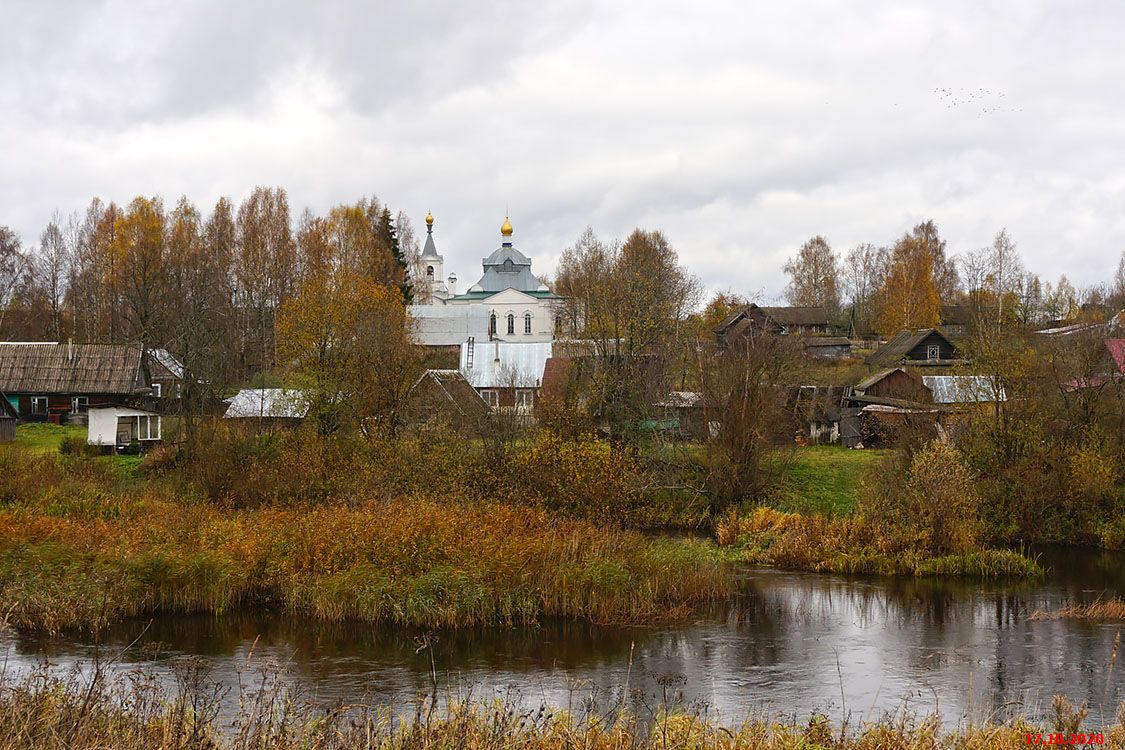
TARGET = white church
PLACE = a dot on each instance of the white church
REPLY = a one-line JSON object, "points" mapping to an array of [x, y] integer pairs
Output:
{"points": [[504, 324], [514, 303]]}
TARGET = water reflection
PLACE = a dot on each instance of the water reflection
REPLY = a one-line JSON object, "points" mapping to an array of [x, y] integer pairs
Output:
{"points": [[790, 644]]}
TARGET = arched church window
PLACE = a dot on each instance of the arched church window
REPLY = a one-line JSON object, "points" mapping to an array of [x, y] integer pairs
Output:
{"points": [[492, 324], [429, 272], [509, 267], [511, 324], [527, 323]]}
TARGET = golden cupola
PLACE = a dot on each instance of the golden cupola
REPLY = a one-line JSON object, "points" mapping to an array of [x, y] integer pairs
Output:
{"points": [[506, 227]]}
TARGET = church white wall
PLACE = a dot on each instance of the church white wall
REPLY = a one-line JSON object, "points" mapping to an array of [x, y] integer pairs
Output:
{"points": [[518, 304]]}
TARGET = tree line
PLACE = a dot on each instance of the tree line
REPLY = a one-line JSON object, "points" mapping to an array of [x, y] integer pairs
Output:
{"points": [[888, 288], [208, 287]]}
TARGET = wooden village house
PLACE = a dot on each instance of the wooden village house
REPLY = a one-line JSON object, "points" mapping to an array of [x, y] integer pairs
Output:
{"points": [[925, 347], [782, 321], [876, 410], [60, 383]]}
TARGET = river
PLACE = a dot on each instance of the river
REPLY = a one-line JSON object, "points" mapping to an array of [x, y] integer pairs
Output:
{"points": [[789, 645]]}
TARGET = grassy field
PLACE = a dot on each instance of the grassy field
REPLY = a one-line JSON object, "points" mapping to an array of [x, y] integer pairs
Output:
{"points": [[823, 479], [43, 437]]}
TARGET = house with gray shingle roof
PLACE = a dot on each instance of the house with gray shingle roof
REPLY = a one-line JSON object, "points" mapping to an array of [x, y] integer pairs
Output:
{"points": [[925, 347], [60, 382]]}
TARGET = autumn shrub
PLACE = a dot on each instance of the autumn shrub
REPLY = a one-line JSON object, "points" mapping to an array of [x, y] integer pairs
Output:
{"points": [[72, 445], [934, 501], [584, 477]]}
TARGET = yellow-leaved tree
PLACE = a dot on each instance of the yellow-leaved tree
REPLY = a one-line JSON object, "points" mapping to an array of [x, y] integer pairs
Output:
{"points": [[345, 338], [909, 297]]}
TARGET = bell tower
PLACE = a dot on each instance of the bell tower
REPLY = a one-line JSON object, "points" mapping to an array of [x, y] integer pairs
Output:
{"points": [[433, 264]]}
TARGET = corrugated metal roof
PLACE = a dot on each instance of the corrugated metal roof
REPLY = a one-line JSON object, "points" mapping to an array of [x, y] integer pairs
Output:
{"points": [[448, 325], [962, 389], [269, 403], [680, 400], [505, 364], [71, 368], [170, 363]]}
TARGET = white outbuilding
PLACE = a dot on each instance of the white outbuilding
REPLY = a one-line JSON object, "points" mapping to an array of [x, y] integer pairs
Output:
{"points": [[121, 426]]}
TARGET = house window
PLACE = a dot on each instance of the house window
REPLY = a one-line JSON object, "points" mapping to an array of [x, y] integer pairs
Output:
{"points": [[492, 324], [492, 398], [525, 398], [933, 352], [148, 428], [39, 405], [79, 404], [511, 324], [156, 389], [527, 323]]}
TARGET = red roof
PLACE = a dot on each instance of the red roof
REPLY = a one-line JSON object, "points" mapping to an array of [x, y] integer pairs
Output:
{"points": [[1117, 351]]}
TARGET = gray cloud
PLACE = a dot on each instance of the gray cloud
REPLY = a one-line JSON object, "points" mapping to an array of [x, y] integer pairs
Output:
{"points": [[740, 131]]}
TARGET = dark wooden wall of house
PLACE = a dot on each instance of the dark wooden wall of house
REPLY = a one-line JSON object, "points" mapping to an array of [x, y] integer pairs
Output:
{"points": [[58, 405], [946, 350]]}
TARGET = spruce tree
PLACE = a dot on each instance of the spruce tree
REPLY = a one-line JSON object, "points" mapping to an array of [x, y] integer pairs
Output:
{"points": [[389, 236]]}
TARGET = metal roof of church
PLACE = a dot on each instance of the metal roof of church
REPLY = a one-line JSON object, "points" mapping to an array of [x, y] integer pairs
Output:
{"points": [[505, 364]]}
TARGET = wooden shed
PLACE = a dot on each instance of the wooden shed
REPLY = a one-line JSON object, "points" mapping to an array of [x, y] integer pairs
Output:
{"points": [[445, 398]]}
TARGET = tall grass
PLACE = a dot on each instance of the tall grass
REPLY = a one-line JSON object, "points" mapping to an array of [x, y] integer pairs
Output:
{"points": [[331, 529], [417, 561], [133, 712], [854, 544], [1103, 610]]}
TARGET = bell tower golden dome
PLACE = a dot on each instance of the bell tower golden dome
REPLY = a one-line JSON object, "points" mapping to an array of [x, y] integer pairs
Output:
{"points": [[506, 227]]}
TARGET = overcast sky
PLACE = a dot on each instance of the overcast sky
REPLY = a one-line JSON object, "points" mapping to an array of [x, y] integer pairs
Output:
{"points": [[740, 129]]}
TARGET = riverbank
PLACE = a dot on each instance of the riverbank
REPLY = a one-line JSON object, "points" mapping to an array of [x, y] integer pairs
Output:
{"points": [[413, 561], [42, 712]]}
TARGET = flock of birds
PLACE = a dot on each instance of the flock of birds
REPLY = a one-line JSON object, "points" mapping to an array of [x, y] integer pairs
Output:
{"points": [[983, 101]]}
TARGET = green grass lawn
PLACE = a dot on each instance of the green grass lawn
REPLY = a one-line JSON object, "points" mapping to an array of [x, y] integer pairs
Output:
{"points": [[43, 437], [823, 479]]}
